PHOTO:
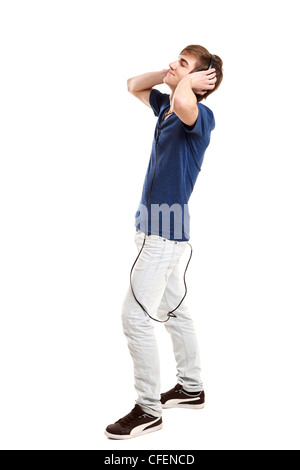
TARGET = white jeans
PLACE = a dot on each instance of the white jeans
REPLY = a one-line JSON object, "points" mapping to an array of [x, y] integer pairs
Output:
{"points": [[158, 285]]}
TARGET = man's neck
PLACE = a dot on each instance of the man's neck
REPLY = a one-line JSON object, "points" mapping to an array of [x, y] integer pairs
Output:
{"points": [[172, 98]]}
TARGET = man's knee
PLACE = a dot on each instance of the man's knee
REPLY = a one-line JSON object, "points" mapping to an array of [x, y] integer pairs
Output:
{"points": [[131, 314], [162, 314], [126, 312], [134, 318]]}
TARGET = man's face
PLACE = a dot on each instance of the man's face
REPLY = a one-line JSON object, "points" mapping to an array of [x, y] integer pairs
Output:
{"points": [[178, 69]]}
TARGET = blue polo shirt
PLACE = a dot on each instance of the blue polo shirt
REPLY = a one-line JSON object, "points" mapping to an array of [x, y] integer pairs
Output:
{"points": [[176, 157]]}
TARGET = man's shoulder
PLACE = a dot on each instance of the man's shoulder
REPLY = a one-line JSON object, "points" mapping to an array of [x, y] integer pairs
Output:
{"points": [[159, 94], [205, 108], [158, 100], [208, 113]]}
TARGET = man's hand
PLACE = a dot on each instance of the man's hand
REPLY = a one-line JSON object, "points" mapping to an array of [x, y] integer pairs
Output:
{"points": [[202, 82], [164, 74]]}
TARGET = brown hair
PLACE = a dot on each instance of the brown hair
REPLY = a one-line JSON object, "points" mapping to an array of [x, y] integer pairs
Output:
{"points": [[203, 58]]}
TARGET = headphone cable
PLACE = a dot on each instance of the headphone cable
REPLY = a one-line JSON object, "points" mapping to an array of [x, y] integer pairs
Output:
{"points": [[170, 314]]}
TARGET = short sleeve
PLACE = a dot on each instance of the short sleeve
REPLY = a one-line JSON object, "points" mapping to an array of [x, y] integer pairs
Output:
{"points": [[157, 100], [205, 122]]}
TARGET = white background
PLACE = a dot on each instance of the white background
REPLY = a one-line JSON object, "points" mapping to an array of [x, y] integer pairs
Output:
{"points": [[74, 151]]}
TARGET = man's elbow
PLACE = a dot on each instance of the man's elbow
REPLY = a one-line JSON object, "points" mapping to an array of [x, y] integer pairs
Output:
{"points": [[129, 85], [181, 103]]}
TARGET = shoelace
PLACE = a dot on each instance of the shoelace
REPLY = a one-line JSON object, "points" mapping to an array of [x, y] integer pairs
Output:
{"points": [[176, 389], [132, 416]]}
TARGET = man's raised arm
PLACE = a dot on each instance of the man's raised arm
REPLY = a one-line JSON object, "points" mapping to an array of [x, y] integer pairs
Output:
{"points": [[185, 101], [141, 85]]}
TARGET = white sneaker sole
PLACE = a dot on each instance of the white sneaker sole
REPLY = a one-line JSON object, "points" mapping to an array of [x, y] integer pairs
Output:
{"points": [[128, 436], [182, 405]]}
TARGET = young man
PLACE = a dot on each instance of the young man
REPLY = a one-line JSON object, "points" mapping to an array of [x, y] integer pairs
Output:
{"points": [[181, 137]]}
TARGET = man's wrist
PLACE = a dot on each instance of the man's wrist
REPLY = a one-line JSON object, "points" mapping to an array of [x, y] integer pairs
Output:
{"points": [[187, 80]]}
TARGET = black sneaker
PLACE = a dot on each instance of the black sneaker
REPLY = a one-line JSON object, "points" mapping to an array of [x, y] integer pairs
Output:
{"points": [[178, 398], [135, 424]]}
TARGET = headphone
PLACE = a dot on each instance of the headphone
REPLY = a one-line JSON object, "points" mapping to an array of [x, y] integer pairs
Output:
{"points": [[212, 61], [169, 314]]}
